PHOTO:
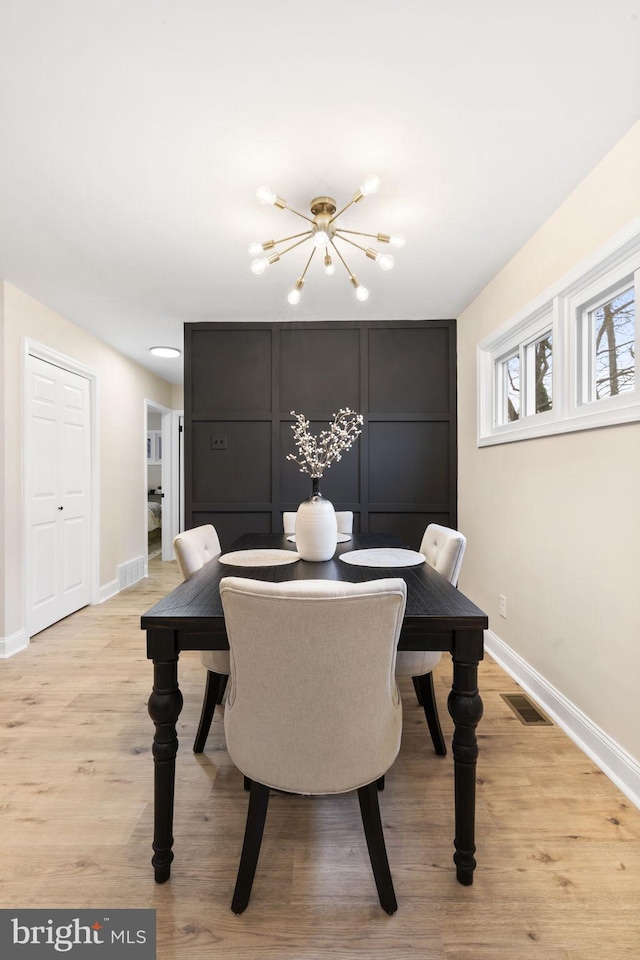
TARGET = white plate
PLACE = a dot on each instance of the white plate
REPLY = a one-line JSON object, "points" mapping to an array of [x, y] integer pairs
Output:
{"points": [[259, 558], [342, 537], [383, 557]]}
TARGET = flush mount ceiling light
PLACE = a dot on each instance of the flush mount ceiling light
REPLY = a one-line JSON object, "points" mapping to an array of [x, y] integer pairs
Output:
{"points": [[323, 234], [169, 352]]}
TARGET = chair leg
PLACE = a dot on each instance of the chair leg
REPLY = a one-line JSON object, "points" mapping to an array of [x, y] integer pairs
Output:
{"points": [[380, 783], [416, 687], [431, 712], [370, 810], [214, 692], [222, 687], [256, 816]]}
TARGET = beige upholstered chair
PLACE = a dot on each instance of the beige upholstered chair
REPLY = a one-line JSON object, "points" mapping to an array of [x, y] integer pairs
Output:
{"points": [[344, 518], [313, 705], [444, 549], [194, 548]]}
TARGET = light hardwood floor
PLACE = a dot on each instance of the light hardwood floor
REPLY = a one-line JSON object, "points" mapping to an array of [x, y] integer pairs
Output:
{"points": [[558, 873]]}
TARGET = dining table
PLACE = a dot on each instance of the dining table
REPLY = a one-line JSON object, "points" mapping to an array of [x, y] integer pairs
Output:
{"points": [[437, 617]]}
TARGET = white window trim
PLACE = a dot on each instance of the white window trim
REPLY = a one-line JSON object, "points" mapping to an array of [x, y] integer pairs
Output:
{"points": [[587, 299], [558, 310]]}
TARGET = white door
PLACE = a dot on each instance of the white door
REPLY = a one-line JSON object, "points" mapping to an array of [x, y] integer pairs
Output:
{"points": [[58, 481]]}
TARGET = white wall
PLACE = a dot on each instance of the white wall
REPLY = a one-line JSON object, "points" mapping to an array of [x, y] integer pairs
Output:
{"points": [[122, 388], [177, 396], [554, 523]]}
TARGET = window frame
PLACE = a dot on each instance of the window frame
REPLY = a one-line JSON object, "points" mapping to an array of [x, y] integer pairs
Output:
{"points": [[515, 342], [562, 312], [580, 306], [501, 388]]}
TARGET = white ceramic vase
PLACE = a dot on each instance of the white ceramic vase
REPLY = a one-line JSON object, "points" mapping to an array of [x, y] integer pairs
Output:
{"points": [[316, 527]]}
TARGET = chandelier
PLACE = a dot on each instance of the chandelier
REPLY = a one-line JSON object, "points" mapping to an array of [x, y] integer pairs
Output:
{"points": [[323, 234]]}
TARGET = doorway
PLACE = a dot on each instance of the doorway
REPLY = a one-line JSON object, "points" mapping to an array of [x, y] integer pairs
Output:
{"points": [[163, 478], [155, 486]]}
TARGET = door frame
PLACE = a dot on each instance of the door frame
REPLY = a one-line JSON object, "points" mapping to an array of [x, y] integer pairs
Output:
{"points": [[170, 475], [32, 348]]}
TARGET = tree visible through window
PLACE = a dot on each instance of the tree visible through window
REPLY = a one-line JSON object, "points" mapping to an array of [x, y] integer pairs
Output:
{"points": [[512, 387], [543, 354], [614, 334]]}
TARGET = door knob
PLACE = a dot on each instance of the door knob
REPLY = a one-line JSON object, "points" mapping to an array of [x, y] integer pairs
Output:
{"points": [[60, 508]]}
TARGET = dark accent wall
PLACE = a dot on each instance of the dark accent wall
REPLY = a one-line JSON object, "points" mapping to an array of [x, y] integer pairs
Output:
{"points": [[242, 381]]}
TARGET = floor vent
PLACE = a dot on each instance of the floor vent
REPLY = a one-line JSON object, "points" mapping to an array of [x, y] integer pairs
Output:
{"points": [[129, 573], [525, 710]]}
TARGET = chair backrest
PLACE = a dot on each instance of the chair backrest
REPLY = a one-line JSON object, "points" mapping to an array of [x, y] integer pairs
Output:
{"points": [[444, 549], [313, 705], [194, 548], [345, 521], [344, 518], [289, 522]]}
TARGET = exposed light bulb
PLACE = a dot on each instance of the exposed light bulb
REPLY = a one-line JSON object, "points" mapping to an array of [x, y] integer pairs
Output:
{"points": [[259, 266], [362, 293], [321, 238], [397, 240], [385, 261], [369, 185], [329, 266], [266, 195], [255, 249], [294, 295]]}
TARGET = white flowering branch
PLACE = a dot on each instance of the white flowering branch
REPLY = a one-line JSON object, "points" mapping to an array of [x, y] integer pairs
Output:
{"points": [[316, 454]]}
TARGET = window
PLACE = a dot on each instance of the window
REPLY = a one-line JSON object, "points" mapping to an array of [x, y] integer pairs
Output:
{"points": [[524, 385], [509, 372], [607, 346], [568, 361]]}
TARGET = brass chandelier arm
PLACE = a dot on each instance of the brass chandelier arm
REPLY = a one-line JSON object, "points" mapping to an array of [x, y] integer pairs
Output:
{"points": [[297, 212], [342, 258], [294, 295], [308, 262], [361, 292], [354, 244], [369, 251], [354, 199], [380, 237], [294, 236], [296, 244]]}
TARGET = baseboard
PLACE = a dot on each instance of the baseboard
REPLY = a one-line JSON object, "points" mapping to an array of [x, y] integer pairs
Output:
{"points": [[14, 644], [609, 756], [108, 590]]}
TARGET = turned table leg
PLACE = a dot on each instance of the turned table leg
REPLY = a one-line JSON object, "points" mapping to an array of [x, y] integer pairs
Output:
{"points": [[465, 707], [165, 704]]}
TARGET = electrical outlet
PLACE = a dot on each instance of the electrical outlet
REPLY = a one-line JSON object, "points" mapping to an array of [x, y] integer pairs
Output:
{"points": [[503, 606], [218, 441]]}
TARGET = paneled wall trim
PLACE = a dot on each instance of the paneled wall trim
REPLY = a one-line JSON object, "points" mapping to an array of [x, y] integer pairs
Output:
{"points": [[242, 381]]}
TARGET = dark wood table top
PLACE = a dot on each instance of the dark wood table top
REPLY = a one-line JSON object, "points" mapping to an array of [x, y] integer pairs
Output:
{"points": [[194, 608]]}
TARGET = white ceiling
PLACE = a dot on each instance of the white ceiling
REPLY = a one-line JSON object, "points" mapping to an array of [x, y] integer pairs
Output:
{"points": [[134, 134]]}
